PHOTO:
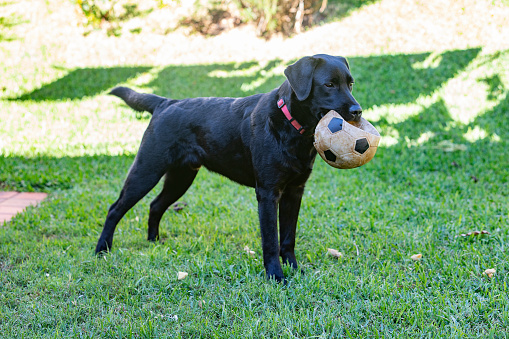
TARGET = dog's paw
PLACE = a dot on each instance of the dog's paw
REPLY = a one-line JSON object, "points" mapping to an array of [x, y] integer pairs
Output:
{"points": [[102, 248], [290, 260], [278, 278], [275, 272], [153, 238]]}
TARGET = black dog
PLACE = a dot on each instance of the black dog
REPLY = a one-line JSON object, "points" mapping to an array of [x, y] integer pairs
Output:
{"points": [[263, 141]]}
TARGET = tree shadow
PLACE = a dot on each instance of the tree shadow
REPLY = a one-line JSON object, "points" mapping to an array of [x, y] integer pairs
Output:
{"points": [[83, 82], [386, 79], [380, 80], [436, 121], [50, 173], [402, 78], [217, 80], [495, 85], [432, 145], [495, 121], [338, 9]]}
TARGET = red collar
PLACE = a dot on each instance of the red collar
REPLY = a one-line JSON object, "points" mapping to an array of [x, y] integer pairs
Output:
{"points": [[281, 104]]}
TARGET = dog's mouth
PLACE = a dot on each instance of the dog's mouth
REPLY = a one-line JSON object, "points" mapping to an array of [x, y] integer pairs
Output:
{"points": [[347, 116], [323, 113], [353, 118]]}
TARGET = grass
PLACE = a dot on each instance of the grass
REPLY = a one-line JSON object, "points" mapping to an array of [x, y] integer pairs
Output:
{"points": [[441, 171]]}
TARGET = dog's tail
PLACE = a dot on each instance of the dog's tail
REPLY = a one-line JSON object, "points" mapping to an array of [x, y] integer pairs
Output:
{"points": [[138, 101]]}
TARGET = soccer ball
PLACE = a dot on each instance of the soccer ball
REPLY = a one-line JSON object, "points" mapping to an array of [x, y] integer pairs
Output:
{"points": [[345, 145]]}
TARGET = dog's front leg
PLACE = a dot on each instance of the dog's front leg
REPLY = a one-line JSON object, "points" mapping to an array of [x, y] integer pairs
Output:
{"points": [[289, 207], [268, 199]]}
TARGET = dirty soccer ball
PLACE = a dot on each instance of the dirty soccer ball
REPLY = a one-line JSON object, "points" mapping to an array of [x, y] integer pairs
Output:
{"points": [[345, 145]]}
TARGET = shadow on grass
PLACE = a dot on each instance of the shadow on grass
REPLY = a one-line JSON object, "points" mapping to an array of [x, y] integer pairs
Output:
{"points": [[48, 173], [402, 78], [483, 158], [338, 9], [83, 82], [388, 79], [230, 80]]}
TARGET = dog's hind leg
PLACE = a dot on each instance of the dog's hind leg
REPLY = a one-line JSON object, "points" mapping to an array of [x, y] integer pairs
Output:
{"points": [[176, 183], [142, 177]]}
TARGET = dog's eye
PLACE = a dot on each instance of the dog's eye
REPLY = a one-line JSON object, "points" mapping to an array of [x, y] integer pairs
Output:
{"points": [[351, 86], [329, 84]]}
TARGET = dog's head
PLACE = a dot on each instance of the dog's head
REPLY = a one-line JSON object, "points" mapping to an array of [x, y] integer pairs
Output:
{"points": [[324, 83]]}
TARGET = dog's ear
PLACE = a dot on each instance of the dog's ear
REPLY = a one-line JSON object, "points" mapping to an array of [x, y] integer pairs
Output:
{"points": [[300, 76], [344, 61]]}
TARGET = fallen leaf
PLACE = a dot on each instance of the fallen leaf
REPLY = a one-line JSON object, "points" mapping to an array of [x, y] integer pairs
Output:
{"points": [[182, 275], [201, 303], [490, 272], [248, 251], [334, 253], [416, 257], [474, 233], [178, 206]]}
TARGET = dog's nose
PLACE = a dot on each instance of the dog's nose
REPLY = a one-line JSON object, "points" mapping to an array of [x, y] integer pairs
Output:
{"points": [[356, 110]]}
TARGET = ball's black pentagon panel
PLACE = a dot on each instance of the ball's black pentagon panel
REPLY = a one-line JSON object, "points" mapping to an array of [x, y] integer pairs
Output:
{"points": [[329, 155], [335, 125], [361, 145]]}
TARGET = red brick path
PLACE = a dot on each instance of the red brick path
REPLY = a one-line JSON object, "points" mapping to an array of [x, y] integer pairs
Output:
{"points": [[12, 203]]}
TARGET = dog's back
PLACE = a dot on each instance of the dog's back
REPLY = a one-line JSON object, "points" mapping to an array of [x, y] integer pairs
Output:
{"points": [[214, 132]]}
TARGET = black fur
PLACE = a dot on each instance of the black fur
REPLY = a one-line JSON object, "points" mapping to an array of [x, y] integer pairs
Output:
{"points": [[248, 140], [138, 102]]}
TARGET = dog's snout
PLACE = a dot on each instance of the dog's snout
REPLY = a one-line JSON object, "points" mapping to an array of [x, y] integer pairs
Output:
{"points": [[356, 110]]}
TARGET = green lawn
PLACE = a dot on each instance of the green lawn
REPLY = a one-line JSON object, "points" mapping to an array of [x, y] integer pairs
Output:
{"points": [[441, 170]]}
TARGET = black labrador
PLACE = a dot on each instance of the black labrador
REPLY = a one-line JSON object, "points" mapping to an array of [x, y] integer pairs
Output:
{"points": [[263, 141]]}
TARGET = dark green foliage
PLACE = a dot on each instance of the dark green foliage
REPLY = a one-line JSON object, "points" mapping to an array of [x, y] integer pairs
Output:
{"points": [[211, 17], [108, 14], [269, 16]]}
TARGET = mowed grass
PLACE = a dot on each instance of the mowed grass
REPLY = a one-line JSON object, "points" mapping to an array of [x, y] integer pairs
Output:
{"points": [[441, 171]]}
